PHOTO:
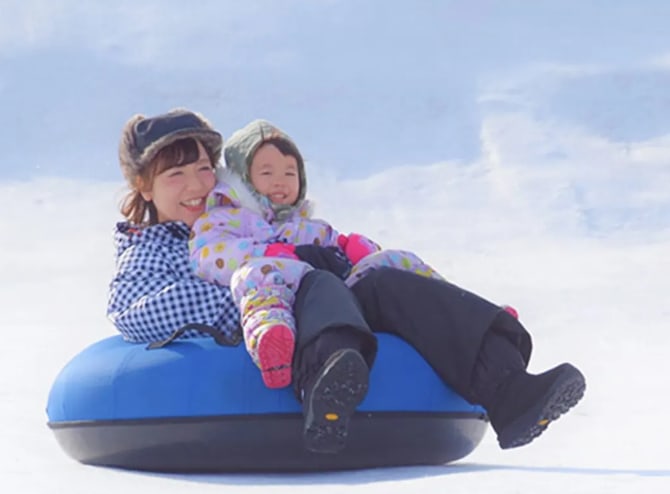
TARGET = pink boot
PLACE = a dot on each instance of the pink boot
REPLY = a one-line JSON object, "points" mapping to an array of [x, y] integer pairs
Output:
{"points": [[511, 311], [275, 355]]}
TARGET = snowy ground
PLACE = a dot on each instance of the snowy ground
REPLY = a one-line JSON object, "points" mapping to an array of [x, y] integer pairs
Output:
{"points": [[557, 201]]}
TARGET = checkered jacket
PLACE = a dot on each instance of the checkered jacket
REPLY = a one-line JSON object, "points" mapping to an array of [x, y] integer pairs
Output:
{"points": [[154, 291]]}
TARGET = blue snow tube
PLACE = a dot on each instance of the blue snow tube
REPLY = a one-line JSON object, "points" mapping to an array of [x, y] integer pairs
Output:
{"points": [[196, 406]]}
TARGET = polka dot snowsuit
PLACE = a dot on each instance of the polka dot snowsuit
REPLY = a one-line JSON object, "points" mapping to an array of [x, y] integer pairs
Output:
{"points": [[227, 247]]}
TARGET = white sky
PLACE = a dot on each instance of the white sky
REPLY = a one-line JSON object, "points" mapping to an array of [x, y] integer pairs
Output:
{"points": [[533, 168]]}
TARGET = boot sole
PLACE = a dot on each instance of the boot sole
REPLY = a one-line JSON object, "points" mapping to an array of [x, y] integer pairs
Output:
{"points": [[275, 355], [564, 394], [337, 392]]}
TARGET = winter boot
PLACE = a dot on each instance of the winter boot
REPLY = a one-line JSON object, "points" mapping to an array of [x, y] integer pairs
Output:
{"points": [[511, 311], [275, 355], [526, 404], [331, 398]]}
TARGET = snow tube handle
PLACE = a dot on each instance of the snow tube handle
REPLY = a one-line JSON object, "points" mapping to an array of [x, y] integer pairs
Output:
{"points": [[218, 336]]}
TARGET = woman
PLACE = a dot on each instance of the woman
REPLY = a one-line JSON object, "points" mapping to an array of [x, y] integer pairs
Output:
{"points": [[476, 347], [168, 162]]}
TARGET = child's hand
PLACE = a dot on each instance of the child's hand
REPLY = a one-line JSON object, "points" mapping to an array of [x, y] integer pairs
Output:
{"points": [[280, 249], [357, 246]]}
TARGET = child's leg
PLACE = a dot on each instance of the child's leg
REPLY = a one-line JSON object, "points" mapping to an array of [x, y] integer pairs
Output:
{"points": [[399, 259], [403, 260], [264, 289]]}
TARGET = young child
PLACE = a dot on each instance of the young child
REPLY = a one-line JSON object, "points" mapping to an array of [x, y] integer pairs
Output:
{"points": [[258, 236]]}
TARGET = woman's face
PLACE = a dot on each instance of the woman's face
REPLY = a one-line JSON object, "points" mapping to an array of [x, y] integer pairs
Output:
{"points": [[275, 175], [179, 193]]}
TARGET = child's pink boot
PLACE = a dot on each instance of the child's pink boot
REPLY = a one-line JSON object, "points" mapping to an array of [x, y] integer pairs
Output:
{"points": [[511, 311], [275, 355]]}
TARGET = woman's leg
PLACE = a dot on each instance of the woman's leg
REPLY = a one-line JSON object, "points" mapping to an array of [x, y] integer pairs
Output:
{"points": [[328, 318], [443, 322], [521, 405], [476, 347], [334, 351]]}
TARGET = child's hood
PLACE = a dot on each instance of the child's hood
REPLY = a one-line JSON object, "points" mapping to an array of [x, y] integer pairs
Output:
{"points": [[241, 146], [231, 190]]}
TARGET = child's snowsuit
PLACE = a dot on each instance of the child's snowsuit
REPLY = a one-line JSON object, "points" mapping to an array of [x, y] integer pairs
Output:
{"points": [[229, 245]]}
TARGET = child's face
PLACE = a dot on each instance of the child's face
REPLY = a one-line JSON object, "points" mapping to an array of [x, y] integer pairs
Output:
{"points": [[179, 192], [275, 175]]}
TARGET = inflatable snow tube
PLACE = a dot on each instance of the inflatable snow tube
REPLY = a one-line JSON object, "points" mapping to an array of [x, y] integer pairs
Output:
{"points": [[196, 406]]}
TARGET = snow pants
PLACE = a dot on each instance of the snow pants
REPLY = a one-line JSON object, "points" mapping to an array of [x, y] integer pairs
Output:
{"points": [[446, 324]]}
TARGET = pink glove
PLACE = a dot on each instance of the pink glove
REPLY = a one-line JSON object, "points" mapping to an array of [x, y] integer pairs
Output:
{"points": [[280, 249], [356, 246]]}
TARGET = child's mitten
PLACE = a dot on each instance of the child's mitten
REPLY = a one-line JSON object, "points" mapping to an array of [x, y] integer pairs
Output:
{"points": [[357, 246]]}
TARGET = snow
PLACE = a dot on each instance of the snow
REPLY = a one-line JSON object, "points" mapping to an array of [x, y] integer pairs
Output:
{"points": [[522, 148]]}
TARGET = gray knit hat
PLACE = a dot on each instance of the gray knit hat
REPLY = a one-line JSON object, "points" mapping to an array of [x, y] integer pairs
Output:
{"points": [[143, 137]]}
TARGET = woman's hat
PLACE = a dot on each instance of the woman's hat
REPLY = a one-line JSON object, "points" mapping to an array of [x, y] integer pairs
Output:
{"points": [[143, 137]]}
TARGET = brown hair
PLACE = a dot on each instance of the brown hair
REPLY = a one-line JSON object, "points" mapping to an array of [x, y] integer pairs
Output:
{"points": [[182, 152]]}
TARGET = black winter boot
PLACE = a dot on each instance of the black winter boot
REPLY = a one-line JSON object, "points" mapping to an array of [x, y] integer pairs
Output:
{"points": [[527, 403], [520, 405], [330, 399]]}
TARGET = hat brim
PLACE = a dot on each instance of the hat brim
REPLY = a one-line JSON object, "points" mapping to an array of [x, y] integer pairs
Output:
{"points": [[209, 138]]}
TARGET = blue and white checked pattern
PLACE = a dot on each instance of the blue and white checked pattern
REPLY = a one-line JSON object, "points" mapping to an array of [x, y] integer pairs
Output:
{"points": [[154, 291]]}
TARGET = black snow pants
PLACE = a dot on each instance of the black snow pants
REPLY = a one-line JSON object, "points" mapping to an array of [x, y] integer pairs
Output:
{"points": [[458, 333]]}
